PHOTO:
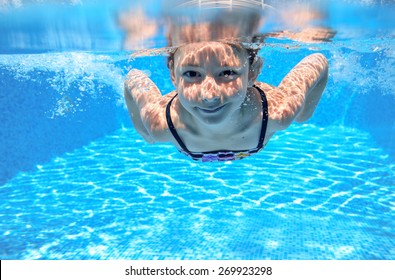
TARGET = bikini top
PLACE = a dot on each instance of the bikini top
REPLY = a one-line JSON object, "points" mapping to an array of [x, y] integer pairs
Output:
{"points": [[221, 155]]}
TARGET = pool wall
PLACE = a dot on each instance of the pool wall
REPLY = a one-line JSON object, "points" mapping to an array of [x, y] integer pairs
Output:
{"points": [[33, 131], [31, 135]]}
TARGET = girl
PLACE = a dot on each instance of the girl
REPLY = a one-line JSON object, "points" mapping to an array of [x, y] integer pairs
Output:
{"points": [[219, 111]]}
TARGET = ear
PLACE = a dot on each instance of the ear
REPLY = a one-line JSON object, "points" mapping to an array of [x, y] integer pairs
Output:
{"points": [[255, 70]]}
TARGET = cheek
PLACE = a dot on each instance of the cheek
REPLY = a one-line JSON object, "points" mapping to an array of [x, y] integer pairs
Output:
{"points": [[235, 87], [189, 92]]}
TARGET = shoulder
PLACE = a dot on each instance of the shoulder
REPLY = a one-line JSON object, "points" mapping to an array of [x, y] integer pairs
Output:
{"points": [[273, 97], [154, 117], [279, 113]]}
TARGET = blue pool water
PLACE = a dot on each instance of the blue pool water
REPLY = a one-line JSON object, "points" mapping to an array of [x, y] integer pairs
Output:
{"points": [[77, 181]]}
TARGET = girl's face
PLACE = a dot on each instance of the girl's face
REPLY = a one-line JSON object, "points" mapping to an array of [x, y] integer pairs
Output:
{"points": [[211, 79]]}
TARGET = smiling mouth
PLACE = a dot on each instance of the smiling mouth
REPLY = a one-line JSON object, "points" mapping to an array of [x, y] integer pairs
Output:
{"points": [[211, 110]]}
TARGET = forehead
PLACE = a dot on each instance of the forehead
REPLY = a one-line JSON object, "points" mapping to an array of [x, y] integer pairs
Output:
{"points": [[208, 53]]}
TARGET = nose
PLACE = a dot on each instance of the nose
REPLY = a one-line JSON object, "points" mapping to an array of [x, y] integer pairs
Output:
{"points": [[210, 92]]}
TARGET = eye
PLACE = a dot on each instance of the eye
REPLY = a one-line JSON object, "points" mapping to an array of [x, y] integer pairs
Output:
{"points": [[192, 74], [228, 74]]}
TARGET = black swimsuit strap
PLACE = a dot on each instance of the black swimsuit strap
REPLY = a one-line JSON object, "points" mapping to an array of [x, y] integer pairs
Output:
{"points": [[265, 118], [172, 128], [263, 126]]}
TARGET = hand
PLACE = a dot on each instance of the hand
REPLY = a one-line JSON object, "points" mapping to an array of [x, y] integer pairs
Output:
{"points": [[308, 35]]}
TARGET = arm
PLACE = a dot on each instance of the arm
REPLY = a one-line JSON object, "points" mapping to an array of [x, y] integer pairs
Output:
{"points": [[299, 92], [141, 95]]}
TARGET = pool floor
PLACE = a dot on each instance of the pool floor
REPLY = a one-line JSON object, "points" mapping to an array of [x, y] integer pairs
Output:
{"points": [[312, 193]]}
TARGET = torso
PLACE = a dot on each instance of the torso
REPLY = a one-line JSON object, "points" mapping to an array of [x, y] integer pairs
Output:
{"points": [[242, 135]]}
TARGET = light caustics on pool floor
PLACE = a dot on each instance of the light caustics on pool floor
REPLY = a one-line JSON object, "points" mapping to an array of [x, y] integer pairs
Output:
{"points": [[313, 193]]}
